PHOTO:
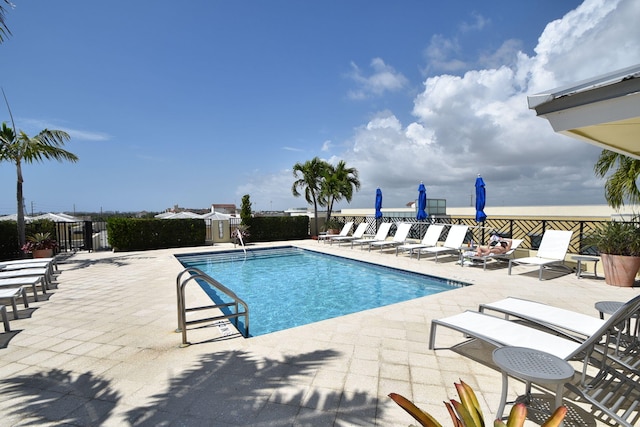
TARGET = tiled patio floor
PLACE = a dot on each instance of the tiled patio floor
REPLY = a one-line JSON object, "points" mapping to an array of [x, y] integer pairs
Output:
{"points": [[102, 350]]}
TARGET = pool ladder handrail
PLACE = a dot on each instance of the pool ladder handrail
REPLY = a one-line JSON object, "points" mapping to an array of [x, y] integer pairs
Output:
{"points": [[194, 274]]}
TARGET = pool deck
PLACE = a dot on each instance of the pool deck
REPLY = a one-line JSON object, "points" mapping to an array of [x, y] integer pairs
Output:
{"points": [[101, 349]]}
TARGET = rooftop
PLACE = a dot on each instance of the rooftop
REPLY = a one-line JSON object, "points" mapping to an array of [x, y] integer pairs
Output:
{"points": [[102, 350]]}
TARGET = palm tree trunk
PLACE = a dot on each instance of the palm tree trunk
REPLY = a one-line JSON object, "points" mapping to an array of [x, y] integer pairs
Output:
{"points": [[22, 238]]}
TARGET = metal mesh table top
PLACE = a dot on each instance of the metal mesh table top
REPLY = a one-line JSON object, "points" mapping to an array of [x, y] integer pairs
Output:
{"points": [[608, 307], [532, 365]]}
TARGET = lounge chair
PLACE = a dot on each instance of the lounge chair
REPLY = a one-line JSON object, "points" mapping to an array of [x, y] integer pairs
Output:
{"points": [[381, 235], [346, 229], [31, 281], [28, 272], [558, 319], [358, 234], [452, 243], [25, 263], [429, 240], [500, 332], [614, 388], [553, 249], [400, 237], [11, 295], [502, 257]]}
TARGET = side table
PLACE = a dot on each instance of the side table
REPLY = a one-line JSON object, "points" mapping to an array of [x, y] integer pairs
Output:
{"points": [[627, 333], [586, 258], [530, 366], [462, 250], [608, 307]]}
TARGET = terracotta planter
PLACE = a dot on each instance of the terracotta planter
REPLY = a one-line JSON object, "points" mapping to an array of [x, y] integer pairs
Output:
{"points": [[620, 270], [43, 253]]}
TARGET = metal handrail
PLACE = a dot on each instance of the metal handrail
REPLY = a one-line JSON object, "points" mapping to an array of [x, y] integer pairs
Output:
{"points": [[194, 274]]}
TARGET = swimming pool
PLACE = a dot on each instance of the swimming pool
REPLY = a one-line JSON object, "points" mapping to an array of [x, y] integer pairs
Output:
{"points": [[288, 286]]}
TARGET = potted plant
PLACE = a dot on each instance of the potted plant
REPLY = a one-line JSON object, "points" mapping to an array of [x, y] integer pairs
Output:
{"points": [[40, 245], [240, 234], [332, 226], [619, 247], [467, 412]]}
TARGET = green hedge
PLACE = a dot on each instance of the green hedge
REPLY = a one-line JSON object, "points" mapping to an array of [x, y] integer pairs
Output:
{"points": [[135, 234], [270, 228]]}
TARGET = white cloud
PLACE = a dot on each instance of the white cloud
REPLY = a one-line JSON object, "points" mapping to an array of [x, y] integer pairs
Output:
{"points": [[441, 54], [383, 79], [287, 148], [479, 22], [479, 122], [326, 146], [33, 126]]}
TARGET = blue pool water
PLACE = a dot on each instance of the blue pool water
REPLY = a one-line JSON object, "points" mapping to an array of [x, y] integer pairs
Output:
{"points": [[287, 287]]}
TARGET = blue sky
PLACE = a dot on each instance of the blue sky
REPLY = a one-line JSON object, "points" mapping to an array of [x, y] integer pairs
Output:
{"points": [[199, 102]]}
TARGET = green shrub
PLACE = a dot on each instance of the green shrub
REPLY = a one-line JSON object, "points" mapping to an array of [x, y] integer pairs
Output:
{"points": [[273, 228], [135, 234]]}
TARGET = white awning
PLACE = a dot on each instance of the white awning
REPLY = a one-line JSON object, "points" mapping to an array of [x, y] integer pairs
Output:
{"points": [[604, 110]]}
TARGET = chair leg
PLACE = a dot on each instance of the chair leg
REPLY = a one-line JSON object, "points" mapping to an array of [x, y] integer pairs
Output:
{"points": [[24, 298], [5, 320]]}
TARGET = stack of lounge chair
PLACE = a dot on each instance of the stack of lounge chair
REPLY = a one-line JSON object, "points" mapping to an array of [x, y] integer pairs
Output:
{"points": [[19, 275]]}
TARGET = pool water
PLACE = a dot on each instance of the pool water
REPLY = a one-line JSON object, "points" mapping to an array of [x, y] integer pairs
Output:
{"points": [[287, 287]]}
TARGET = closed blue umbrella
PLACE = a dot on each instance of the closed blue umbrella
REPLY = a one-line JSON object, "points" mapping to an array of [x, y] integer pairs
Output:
{"points": [[422, 203], [378, 203], [481, 197]]}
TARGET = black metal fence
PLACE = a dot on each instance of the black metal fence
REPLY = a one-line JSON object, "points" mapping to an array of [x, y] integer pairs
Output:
{"points": [[92, 235], [82, 235]]}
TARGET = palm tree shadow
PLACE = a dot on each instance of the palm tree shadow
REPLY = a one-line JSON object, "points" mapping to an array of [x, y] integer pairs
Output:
{"points": [[236, 388], [56, 396], [228, 388]]}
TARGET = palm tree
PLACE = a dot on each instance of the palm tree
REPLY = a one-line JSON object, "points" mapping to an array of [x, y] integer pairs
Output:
{"points": [[3, 25], [621, 184], [18, 148], [309, 177], [338, 183]]}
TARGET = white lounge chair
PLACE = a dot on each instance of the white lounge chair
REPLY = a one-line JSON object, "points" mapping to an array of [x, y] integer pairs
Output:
{"points": [[553, 248], [28, 272], [346, 229], [452, 243], [430, 239], [503, 257], [564, 321], [11, 295], [31, 281], [500, 332], [25, 263], [358, 234], [381, 235], [402, 232]]}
